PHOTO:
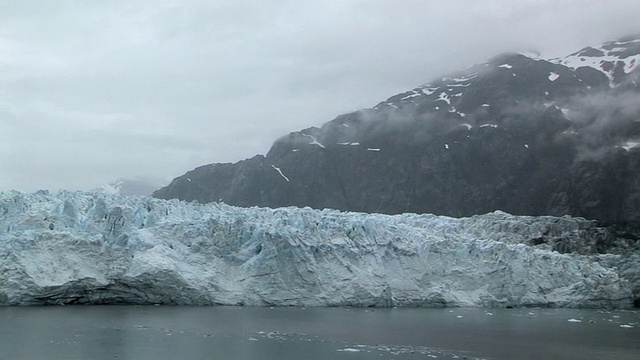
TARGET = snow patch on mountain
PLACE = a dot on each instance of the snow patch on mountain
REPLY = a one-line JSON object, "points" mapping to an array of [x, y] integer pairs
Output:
{"points": [[314, 140], [444, 97], [428, 90], [630, 145], [414, 94], [466, 77], [608, 58], [280, 172]]}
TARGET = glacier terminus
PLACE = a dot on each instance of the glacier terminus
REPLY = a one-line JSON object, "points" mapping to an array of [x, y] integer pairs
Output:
{"points": [[93, 248]]}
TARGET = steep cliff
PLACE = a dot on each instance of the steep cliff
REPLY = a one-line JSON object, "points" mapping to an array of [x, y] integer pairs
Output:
{"points": [[91, 248]]}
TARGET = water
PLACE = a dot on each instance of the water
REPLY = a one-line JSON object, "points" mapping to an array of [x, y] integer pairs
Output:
{"points": [[153, 332]]}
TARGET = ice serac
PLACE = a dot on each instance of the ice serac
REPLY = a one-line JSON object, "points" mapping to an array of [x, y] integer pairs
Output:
{"points": [[92, 248]]}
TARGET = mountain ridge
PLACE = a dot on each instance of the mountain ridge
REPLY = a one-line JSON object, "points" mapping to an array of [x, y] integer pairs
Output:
{"points": [[519, 134]]}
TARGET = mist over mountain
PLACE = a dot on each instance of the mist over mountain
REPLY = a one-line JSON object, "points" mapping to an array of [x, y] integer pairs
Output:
{"points": [[517, 133], [128, 187]]}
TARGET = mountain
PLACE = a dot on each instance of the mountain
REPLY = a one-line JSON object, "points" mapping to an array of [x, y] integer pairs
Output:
{"points": [[129, 187], [517, 133], [93, 248]]}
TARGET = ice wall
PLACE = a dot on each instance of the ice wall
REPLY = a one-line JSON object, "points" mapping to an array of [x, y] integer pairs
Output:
{"points": [[90, 248]]}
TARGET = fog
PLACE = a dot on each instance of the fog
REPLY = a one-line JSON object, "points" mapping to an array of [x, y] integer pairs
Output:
{"points": [[93, 91]]}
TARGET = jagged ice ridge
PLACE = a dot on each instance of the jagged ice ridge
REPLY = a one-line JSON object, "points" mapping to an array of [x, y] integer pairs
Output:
{"points": [[92, 248]]}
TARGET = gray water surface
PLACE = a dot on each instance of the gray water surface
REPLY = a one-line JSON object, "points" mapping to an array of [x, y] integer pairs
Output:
{"points": [[159, 332]]}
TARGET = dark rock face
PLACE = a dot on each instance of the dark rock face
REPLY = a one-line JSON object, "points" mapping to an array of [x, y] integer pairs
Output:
{"points": [[522, 135]]}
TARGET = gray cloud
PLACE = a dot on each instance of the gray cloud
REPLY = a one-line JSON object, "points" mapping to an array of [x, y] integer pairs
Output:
{"points": [[92, 91]]}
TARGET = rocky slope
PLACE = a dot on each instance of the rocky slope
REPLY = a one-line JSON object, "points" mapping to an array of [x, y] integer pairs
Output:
{"points": [[92, 248], [517, 133]]}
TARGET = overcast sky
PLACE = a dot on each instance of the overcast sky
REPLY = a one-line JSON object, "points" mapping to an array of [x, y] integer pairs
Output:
{"points": [[91, 91]]}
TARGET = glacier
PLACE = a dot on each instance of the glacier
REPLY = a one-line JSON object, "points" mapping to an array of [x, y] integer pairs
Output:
{"points": [[93, 248]]}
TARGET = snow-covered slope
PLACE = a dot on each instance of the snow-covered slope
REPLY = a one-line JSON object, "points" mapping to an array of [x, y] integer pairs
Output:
{"points": [[76, 247], [616, 59]]}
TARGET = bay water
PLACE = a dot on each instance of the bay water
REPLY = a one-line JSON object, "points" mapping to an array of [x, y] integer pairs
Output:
{"points": [[182, 332]]}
